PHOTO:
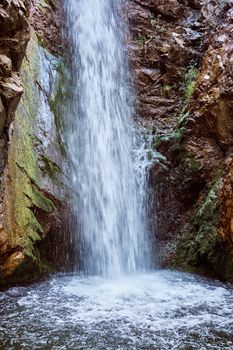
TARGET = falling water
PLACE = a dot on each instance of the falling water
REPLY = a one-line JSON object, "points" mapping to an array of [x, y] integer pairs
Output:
{"points": [[147, 310], [109, 193]]}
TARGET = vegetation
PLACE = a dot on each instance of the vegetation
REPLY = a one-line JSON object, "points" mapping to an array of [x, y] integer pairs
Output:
{"points": [[190, 81]]}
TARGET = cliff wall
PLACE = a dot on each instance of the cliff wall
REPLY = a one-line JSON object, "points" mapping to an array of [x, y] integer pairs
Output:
{"points": [[34, 209], [181, 54], [181, 57]]}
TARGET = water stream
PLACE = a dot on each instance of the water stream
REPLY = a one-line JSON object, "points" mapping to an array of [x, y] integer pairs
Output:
{"points": [[116, 301], [112, 237]]}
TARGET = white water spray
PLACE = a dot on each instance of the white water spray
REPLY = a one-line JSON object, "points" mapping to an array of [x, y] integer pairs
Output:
{"points": [[109, 207], [154, 310]]}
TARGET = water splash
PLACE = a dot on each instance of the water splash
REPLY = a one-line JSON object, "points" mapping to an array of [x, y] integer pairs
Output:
{"points": [[163, 310], [111, 220]]}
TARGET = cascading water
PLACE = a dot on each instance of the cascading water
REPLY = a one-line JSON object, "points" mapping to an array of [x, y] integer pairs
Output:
{"points": [[109, 206], [149, 310]]}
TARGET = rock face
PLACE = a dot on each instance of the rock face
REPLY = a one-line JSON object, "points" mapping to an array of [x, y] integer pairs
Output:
{"points": [[15, 34], [181, 56], [33, 205], [181, 52], [46, 18]]}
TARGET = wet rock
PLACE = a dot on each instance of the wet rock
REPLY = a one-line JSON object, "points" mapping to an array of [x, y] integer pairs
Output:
{"points": [[171, 8], [12, 263], [12, 91], [5, 66], [14, 36], [13, 15], [2, 117], [140, 19], [160, 52], [3, 241], [14, 33], [226, 200], [182, 58], [34, 208], [46, 18]]}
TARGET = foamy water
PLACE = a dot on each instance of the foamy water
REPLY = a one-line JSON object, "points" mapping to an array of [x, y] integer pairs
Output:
{"points": [[157, 310]]}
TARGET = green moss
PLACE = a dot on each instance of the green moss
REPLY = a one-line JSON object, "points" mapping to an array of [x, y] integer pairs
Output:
{"points": [[46, 5], [59, 101], [158, 139], [201, 249], [140, 40], [179, 129], [189, 165], [208, 208], [195, 164], [190, 83], [165, 89], [175, 136], [41, 41], [181, 121], [49, 167], [41, 201], [25, 198], [183, 117], [28, 271]]}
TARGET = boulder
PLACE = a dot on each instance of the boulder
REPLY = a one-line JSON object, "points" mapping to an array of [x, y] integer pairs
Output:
{"points": [[12, 91], [5, 66]]}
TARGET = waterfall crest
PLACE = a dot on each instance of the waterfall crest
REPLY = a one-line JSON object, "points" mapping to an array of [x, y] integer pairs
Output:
{"points": [[111, 233]]}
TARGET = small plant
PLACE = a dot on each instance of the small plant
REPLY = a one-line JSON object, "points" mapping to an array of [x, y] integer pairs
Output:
{"points": [[141, 40], [49, 167], [165, 89], [157, 139], [163, 29], [190, 82], [152, 16], [182, 120]]}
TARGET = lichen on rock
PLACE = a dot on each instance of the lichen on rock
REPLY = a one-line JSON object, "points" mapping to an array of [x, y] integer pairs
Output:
{"points": [[32, 199]]}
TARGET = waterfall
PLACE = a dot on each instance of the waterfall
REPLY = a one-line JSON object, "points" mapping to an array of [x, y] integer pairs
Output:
{"points": [[109, 188]]}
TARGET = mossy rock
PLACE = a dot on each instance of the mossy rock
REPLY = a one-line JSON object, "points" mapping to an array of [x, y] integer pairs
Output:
{"points": [[201, 249], [25, 199]]}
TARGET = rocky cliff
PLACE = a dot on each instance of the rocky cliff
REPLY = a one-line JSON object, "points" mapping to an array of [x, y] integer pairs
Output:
{"points": [[181, 54], [33, 202]]}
